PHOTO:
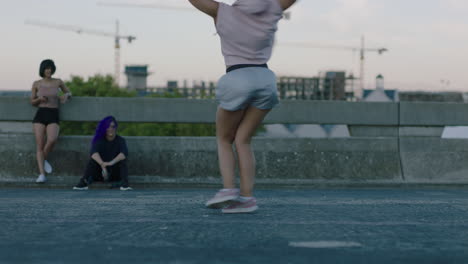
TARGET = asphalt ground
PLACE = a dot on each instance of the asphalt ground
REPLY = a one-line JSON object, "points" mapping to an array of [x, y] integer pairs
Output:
{"points": [[291, 226]]}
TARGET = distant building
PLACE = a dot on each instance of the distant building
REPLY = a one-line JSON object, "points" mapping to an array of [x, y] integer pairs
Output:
{"points": [[172, 84], [137, 77], [301, 88], [334, 85], [380, 94]]}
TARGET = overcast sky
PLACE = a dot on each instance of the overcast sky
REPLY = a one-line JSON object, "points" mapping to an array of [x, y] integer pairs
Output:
{"points": [[427, 41]]}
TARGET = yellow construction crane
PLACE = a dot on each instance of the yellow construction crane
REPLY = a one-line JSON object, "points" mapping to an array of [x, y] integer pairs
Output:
{"points": [[362, 50], [117, 37]]}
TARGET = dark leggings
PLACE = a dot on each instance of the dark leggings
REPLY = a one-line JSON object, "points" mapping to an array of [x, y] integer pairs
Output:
{"points": [[117, 172]]}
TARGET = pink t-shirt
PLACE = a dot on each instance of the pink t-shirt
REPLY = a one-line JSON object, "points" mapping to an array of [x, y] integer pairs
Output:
{"points": [[50, 90], [247, 30]]}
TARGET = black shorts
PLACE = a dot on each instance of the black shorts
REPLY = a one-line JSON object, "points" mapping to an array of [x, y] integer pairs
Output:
{"points": [[47, 116]]}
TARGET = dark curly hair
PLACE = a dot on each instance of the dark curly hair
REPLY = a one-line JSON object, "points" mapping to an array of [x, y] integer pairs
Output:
{"points": [[46, 64]]}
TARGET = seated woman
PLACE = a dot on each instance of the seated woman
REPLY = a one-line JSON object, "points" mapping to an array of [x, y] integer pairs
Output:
{"points": [[108, 157]]}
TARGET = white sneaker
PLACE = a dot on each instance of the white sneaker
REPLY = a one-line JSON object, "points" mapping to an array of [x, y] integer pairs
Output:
{"points": [[241, 206], [47, 167], [126, 188], [41, 179], [222, 198]]}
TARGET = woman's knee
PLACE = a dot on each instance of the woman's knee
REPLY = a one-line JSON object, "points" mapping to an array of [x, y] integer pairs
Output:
{"points": [[226, 139], [52, 141], [242, 142]]}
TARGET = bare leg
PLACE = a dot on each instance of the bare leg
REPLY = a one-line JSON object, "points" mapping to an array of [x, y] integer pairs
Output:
{"points": [[39, 133], [52, 136], [253, 117], [227, 123]]}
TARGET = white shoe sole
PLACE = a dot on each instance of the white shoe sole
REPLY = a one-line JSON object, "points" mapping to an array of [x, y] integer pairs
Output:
{"points": [[41, 180], [240, 210], [220, 202], [126, 189], [80, 188]]}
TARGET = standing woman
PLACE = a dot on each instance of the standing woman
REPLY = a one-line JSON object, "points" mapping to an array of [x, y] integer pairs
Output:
{"points": [[44, 95], [246, 93]]}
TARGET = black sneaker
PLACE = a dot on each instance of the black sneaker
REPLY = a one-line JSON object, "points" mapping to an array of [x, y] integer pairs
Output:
{"points": [[81, 186]]}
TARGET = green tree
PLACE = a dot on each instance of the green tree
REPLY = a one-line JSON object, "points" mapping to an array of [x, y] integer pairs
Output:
{"points": [[104, 86], [97, 85]]}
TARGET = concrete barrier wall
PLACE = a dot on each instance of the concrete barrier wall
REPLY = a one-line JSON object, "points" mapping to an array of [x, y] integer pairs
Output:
{"points": [[435, 160], [203, 111], [195, 159], [390, 143], [433, 114]]}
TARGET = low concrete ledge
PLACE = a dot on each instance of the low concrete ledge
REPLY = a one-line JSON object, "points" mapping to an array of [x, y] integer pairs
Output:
{"points": [[373, 131], [432, 131], [196, 158], [334, 112], [172, 161], [434, 160]]}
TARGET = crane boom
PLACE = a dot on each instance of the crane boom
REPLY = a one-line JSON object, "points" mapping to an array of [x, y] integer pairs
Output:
{"points": [[77, 29], [117, 37]]}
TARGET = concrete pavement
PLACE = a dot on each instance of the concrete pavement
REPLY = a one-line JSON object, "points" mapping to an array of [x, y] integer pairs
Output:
{"points": [[292, 226]]}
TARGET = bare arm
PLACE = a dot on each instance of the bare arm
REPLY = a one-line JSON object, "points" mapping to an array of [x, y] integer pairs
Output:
{"points": [[118, 158], [63, 87], [209, 7], [98, 159], [67, 94], [104, 164], [285, 4]]}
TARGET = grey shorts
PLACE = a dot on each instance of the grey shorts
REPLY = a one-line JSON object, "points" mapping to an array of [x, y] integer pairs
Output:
{"points": [[251, 86]]}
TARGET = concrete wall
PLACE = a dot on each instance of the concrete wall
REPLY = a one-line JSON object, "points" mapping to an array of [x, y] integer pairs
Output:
{"points": [[431, 159], [390, 143], [152, 159], [203, 111]]}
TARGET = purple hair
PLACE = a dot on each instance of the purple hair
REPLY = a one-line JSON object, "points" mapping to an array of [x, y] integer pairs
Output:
{"points": [[102, 127]]}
